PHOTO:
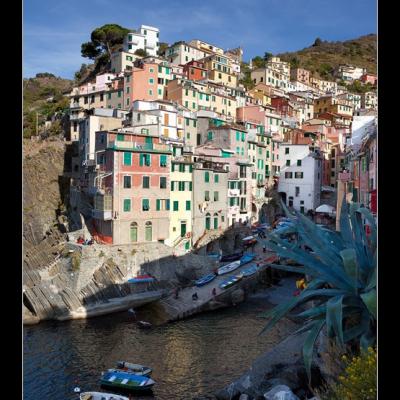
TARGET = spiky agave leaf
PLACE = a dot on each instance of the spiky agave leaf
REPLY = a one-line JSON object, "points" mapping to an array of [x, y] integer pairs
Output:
{"points": [[369, 299], [349, 257], [334, 317], [308, 346]]}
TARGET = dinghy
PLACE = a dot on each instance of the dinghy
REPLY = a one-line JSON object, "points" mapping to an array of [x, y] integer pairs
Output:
{"points": [[232, 257], [249, 270], [230, 281], [125, 380], [247, 258], [205, 279], [228, 268], [136, 369], [141, 279], [101, 396]]}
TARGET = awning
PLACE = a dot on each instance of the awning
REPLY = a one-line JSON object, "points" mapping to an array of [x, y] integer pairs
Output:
{"points": [[327, 189], [325, 208]]}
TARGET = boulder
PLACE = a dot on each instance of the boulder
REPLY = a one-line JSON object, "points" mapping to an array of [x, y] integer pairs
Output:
{"points": [[281, 366], [280, 392], [244, 396]]}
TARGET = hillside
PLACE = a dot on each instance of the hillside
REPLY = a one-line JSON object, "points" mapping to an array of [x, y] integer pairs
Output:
{"points": [[43, 94], [322, 57]]}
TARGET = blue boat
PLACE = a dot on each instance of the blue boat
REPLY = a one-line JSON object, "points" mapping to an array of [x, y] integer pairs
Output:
{"points": [[249, 270], [232, 257], [125, 380], [141, 279], [205, 279], [230, 281], [247, 258]]}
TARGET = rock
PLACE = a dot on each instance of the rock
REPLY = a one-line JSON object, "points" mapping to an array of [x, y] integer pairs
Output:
{"points": [[280, 366], [244, 396], [280, 392]]}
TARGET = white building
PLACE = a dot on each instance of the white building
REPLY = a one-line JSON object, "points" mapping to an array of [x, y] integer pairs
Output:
{"points": [[348, 73], [300, 177], [146, 39], [181, 53]]}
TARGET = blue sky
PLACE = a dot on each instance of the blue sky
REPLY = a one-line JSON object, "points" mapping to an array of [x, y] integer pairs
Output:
{"points": [[55, 29]]}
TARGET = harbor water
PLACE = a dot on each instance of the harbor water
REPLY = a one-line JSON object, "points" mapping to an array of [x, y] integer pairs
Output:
{"points": [[193, 357]]}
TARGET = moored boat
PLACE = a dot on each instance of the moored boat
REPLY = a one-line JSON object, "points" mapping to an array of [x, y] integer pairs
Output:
{"points": [[228, 268], [232, 257], [101, 396], [142, 279], [125, 380], [205, 279], [230, 281], [247, 258], [136, 369], [251, 270]]}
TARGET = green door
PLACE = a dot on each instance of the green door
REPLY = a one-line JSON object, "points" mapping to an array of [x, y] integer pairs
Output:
{"points": [[133, 233], [183, 229], [148, 233], [208, 223]]}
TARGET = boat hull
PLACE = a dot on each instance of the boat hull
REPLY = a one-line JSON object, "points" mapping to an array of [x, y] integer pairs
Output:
{"points": [[126, 381], [228, 268], [206, 279]]}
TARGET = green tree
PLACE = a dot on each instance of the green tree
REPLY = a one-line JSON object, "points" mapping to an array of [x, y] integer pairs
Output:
{"points": [[161, 50], [294, 62], [258, 62], [141, 53], [317, 42], [103, 40], [267, 56]]}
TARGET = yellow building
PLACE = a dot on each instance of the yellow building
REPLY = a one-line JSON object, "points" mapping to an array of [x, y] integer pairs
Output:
{"points": [[334, 105], [220, 70], [260, 95]]}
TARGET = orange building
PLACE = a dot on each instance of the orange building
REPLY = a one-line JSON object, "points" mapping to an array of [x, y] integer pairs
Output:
{"points": [[195, 71]]}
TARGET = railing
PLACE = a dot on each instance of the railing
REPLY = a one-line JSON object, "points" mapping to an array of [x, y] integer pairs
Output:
{"points": [[75, 105], [120, 144], [74, 117], [233, 192]]}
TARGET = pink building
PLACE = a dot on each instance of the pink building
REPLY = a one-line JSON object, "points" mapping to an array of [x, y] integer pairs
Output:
{"points": [[143, 83], [369, 78]]}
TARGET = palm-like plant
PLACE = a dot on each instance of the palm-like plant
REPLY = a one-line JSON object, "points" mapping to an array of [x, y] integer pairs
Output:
{"points": [[342, 272]]}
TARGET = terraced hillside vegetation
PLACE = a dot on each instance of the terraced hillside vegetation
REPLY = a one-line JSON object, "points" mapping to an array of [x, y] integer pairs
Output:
{"points": [[323, 56]]}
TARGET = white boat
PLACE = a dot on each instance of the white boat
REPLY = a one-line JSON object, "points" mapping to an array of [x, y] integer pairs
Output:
{"points": [[228, 268], [101, 396]]}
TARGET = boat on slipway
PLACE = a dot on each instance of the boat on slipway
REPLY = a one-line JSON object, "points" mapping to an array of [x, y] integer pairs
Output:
{"points": [[228, 268], [205, 279], [251, 270], [230, 281]]}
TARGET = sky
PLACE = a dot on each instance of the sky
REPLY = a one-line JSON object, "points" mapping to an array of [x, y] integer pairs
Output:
{"points": [[53, 30]]}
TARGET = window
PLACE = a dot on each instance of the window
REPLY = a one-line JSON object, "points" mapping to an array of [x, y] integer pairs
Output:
{"points": [[145, 205], [127, 158], [298, 175], [151, 80], [109, 96], [150, 92], [288, 175], [163, 160], [216, 178], [195, 122], [237, 135], [127, 182], [119, 93], [243, 137], [288, 163], [297, 189], [146, 182], [299, 163], [332, 174], [102, 96], [194, 105], [145, 159], [206, 195], [206, 176], [216, 196], [127, 205], [286, 150], [163, 182], [176, 205], [187, 205], [181, 186]]}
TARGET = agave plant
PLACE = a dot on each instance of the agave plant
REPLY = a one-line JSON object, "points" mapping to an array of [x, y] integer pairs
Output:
{"points": [[342, 273]]}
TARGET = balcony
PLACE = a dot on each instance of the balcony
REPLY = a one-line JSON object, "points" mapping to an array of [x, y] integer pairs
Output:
{"points": [[104, 215], [75, 105], [233, 192], [74, 117], [150, 147], [260, 183]]}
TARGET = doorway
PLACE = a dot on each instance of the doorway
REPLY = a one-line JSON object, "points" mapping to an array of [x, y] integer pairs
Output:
{"points": [[148, 232]]}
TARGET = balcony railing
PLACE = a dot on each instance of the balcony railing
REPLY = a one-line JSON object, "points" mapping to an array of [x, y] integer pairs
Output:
{"points": [[75, 105], [233, 192], [74, 117], [124, 145]]}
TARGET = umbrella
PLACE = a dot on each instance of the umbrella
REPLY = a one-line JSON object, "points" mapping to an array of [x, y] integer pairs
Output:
{"points": [[325, 208]]}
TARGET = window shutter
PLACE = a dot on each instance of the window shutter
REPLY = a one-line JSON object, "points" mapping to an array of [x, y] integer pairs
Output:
{"points": [[190, 186], [167, 206], [141, 159], [127, 158], [172, 185], [158, 204]]}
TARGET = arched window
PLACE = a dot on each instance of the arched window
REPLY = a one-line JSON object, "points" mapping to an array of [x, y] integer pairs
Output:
{"points": [[215, 221], [148, 231], [208, 221], [133, 232]]}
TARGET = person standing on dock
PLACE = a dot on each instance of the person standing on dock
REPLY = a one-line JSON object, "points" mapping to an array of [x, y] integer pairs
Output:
{"points": [[214, 292]]}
